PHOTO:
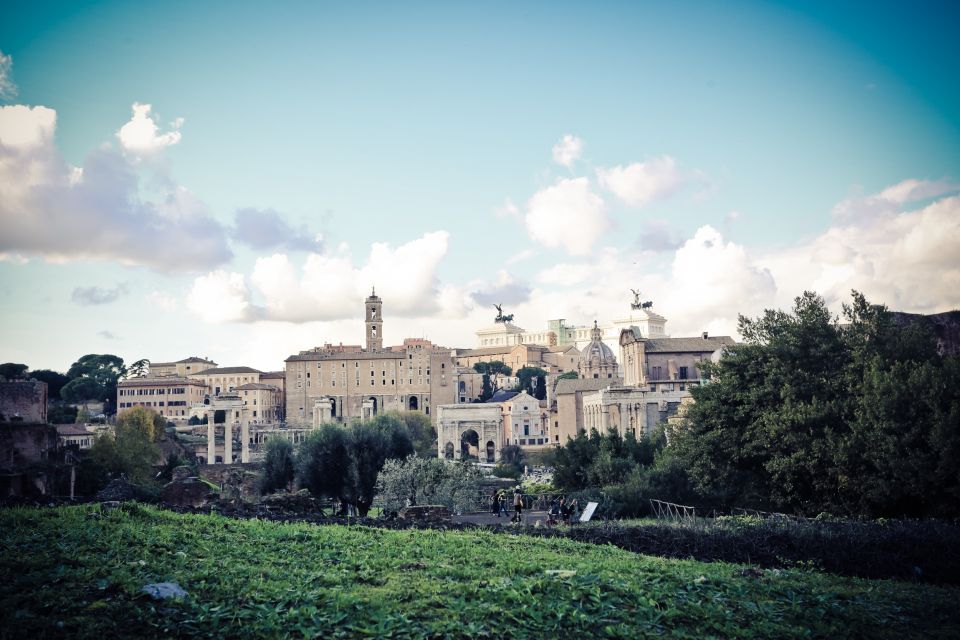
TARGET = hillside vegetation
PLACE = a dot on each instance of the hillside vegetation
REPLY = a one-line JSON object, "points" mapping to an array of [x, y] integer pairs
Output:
{"points": [[78, 572]]}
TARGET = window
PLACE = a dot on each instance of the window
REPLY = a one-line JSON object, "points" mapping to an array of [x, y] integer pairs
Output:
{"points": [[683, 373]]}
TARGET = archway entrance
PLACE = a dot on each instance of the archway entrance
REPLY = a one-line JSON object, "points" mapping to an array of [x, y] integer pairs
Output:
{"points": [[470, 445], [414, 405], [448, 451], [374, 401], [491, 451], [333, 408]]}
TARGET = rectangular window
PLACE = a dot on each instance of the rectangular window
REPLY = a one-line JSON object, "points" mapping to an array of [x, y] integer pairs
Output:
{"points": [[683, 373]]}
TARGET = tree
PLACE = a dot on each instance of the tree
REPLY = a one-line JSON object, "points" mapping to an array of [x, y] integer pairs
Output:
{"points": [[540, 391], [13, 371], [371, 445], [569, 375], [278, 468], [418, 481], [146, 421], [486, 391], [93, 377], [61, 414], [422, 433], [55, 381], [526, 376], [137, 369], [131, 449], [808, 415], [323, 462]]}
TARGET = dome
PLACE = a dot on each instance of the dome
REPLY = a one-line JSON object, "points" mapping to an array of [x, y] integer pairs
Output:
{"points": [[597, 357], [596, 350]]}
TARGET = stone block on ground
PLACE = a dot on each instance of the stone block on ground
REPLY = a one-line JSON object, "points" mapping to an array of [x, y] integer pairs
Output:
{"points": [[426, 512], [186, 493]]}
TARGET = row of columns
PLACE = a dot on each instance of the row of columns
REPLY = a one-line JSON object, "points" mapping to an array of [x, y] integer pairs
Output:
{"points": [[228, 436]]}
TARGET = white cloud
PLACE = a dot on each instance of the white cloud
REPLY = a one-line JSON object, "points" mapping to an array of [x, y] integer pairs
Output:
{"points": [[641, 183], [140, 135], [567, 215], [860, 209], [329, 286], [7, 88], [24, 127], [906, 260], [220, 297], [51, 209], [568, 150]]}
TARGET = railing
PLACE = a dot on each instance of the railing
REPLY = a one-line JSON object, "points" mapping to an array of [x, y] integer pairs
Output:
{"points": [[673, 512]]}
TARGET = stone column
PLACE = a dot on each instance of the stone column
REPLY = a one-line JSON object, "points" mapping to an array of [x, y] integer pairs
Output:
{"points": [[244, 436], [227, 441], [211, 439]]}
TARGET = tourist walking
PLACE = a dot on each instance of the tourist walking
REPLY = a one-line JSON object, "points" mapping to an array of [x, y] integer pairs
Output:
{"points": [[495, 503], [517, 505]]}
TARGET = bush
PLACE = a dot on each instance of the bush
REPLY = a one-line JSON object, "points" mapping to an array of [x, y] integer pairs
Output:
{"points": [[418, 481]]}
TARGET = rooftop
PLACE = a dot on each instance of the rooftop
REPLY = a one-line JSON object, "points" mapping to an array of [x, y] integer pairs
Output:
{"points": [[253, 386], [688, 345], [571, 385], [225, 370]]}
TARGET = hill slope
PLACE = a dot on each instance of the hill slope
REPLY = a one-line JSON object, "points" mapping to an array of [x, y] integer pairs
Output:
{"points": [[74, 572]]}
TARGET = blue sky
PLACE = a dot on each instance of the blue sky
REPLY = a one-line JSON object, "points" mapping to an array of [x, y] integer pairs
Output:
{"points": [[722, 157]]}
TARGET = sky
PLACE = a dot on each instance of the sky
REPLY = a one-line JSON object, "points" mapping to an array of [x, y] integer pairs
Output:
{"points": [[230, 179]]}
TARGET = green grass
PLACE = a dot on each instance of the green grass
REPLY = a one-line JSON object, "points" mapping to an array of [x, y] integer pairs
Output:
{"points": [[68, 573]]}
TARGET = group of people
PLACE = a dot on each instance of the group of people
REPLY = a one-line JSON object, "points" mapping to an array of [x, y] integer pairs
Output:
{"points": [[560, 510]]}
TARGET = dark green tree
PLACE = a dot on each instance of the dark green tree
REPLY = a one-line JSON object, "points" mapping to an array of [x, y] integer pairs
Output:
{"points": [[422, 433], [808, 415], [13, 371], [540, 390], [323, 462], [94, 377], [55, 381], [526, 376], [372, 444], [486, 391], [278, 467]]}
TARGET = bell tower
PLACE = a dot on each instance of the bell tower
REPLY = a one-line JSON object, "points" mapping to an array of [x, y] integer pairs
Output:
{"points": [[374, 322]]}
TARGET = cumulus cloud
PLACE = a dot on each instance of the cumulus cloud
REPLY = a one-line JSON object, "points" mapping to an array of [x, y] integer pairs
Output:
{"points": [[641, 183], [87, 296], [141, 134], [505, 290], [60, 212], [568, 150], [266, 229], [657, 236], [326, 286], [907, 259], [8, 89], [860, 209], [221, 296], [567, 215]]}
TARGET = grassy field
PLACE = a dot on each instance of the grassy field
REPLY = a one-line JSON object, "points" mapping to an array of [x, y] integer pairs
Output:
{"points": [[73, 572]]}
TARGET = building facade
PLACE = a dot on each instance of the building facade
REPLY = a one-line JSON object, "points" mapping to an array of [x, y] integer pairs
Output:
{"points": [[344, 383]]}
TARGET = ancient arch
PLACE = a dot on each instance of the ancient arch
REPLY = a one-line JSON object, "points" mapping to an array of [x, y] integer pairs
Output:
{"points": [[413, 404], [470, 445], [491, 451], [448, 451]]}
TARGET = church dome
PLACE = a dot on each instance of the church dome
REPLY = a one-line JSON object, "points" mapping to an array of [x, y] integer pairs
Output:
{"points": [[597, 359]]}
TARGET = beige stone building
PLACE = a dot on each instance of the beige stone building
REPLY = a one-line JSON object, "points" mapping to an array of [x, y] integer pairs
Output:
{"points": [[263, 401], [226, 379], [171, 396], [337, 383], [180, 368], [667, 364]]}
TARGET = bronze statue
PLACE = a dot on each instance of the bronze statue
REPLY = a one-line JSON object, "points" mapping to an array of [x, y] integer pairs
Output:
{"points": [[500, 317]]}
